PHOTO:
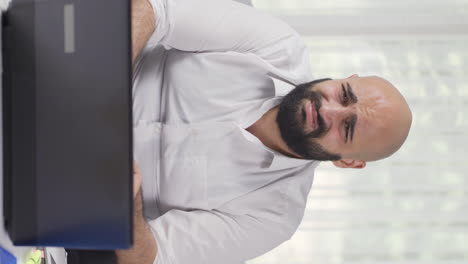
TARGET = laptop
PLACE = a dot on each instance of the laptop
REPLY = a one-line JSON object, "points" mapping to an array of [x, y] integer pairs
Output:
{"points": [[67, 123]]}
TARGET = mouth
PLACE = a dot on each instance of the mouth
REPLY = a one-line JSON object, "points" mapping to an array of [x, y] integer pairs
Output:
{"points": [[310, 114]]}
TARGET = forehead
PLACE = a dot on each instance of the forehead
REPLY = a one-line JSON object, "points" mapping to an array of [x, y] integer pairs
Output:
{"points": [[376, 102], [373, 109], [367, 89]]}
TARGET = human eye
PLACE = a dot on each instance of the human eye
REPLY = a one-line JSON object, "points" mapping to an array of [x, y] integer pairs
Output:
{"points": [[346, 128], [344, 95]]}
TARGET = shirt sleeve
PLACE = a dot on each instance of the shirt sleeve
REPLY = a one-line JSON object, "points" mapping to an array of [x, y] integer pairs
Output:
{"points": [[242, 229], [224, 25], [209, 237]]}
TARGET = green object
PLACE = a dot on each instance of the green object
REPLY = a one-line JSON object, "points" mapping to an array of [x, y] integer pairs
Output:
{"points": [[34, 257]]}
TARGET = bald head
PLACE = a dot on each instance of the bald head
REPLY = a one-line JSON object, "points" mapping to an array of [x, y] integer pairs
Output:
{"points": [[388, 119]]}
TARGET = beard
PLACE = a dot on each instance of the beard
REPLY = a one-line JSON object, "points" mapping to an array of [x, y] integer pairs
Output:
{"points": [[291, 122]]}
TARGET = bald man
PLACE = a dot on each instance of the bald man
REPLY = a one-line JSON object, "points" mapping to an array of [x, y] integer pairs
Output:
{"points": [[229, 127]]}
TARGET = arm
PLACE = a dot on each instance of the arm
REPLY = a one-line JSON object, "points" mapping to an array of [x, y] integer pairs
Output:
{"points": [[223, 25], [143, 25], [209, 237], [144, 248], [239, 230]]}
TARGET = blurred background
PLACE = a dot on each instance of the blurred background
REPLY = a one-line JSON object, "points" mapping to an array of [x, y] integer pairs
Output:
{"points": [[412, 207]]}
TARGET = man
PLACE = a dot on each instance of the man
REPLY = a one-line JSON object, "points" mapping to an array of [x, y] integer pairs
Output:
{"points": [[226, 159]]}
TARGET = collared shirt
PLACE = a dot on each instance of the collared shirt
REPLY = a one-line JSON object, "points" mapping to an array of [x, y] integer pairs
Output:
{"points": [[213, 193]]}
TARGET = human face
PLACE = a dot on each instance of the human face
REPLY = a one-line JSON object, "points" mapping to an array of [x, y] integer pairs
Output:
{"points": [[353, 118]]}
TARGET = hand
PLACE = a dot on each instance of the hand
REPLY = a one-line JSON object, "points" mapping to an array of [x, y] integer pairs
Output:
{"points": [[137, 180], [144, 249], [143, 25]]}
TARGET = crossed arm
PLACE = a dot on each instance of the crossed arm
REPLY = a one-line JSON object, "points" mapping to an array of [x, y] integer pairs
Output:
{"points": [[143, 25], [144, 248]]}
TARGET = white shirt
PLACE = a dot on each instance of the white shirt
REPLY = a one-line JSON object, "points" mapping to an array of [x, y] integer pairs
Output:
{"points": [[213, 193]]}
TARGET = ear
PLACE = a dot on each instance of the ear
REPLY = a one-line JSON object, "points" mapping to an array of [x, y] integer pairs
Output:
{"points": [[353, 76], [349, 163]]}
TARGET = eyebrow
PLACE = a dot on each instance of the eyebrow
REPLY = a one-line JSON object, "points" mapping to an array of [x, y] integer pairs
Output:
{"points": [[353, 120], [351, 94]]}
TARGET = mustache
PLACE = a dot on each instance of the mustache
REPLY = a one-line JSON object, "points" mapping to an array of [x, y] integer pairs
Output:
{"points": [[322, 128]]}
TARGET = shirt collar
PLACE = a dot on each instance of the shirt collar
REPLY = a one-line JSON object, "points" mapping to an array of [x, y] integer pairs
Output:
{"points": [[281, 161], [274, 159], [282, 86]]}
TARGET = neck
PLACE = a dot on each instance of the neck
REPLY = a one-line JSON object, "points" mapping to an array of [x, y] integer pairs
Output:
{"points": [[266, 129]]}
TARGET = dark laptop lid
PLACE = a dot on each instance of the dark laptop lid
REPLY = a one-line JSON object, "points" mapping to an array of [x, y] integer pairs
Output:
{"points": [[67, 123]]}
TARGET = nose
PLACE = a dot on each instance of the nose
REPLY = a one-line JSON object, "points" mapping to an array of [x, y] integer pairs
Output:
{"points": [[333, 112]]}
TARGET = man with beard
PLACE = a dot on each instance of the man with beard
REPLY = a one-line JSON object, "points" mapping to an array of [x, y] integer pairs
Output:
{"points": [[226, 159]]}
